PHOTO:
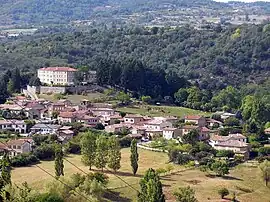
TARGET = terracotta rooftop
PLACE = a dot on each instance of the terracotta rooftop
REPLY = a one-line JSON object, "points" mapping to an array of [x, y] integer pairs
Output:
{"points": [[193, 117], [232, 143], [237, 136], [59, 69], [17, 142]]}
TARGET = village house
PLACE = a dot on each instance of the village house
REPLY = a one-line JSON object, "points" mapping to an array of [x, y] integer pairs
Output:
{"points": [[114, 118], [234, 142], [133, 118], [171, 133], [102, 111], [59, 106], [154, 128], [196, 120], [203, 131], [117, 128], [213, 123], [19, 146], [13, 125], [42, 128], [89, 120], [57, 75], [65, 134]]}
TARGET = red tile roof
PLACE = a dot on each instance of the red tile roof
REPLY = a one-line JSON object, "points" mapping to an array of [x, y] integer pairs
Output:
{"points": [[193, 117], [17, 142], [59, 69]]}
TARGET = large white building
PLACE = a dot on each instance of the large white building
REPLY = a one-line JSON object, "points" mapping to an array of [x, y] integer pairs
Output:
{"points": [[57, 75]]}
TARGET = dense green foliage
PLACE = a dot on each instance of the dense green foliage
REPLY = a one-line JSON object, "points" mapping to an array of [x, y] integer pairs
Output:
{"points": [[59, 161], [151, 188], [185, 194], [201, 69], [134, 156]]}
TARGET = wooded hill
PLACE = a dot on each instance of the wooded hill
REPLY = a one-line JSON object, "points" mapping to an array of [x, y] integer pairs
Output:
{"points": [[37, 12], [213, 59]]}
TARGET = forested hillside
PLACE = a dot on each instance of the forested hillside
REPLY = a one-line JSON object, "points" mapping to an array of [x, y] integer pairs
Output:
{"points": [[215, 59], [220, 69], [40, 12]]}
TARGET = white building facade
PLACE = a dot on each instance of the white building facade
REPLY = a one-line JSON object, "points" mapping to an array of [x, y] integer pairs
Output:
{"points": [[57, 75]]}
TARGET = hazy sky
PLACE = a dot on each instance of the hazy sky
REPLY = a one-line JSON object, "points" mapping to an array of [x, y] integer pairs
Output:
{"points": [[247, 1]]}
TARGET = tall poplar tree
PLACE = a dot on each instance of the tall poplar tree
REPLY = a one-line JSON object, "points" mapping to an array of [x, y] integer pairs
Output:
{"points": [[88, 149], [59, 162], [134, 156], [101, 157], [114, 154]]}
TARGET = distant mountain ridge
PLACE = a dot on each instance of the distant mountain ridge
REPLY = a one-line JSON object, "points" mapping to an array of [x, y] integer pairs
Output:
{"points": [[40, 12]]}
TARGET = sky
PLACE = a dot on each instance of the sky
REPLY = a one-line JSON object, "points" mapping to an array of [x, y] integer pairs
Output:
{"points": [[247, 1]]}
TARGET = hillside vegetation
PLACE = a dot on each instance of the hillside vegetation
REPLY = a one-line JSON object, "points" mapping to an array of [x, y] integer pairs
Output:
{"points": [[60, 12], [215, 59]]}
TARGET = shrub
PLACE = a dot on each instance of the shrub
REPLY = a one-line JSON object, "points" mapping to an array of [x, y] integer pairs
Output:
{"points": [[73, 148], [225, 153], [161, 171], [24, 160], [264, 151], [223, 192], [45, 151], [99, 177], [125, 141]]}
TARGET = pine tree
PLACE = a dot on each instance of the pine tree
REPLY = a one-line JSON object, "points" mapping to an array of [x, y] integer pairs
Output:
{"points": [[6, 170], [59, 162], [114, 155], [151, 188], [101, 152], [134, 156], [88, 149]]}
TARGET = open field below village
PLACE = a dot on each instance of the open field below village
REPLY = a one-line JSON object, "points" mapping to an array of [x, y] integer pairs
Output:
{"points": [[245, 179], [152, 110], [73, 98]]}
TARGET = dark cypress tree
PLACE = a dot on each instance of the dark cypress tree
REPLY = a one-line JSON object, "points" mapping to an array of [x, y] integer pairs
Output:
{"points": [[6, 170], [59, 162], [16, 80], [134, 156], [151, 188]]}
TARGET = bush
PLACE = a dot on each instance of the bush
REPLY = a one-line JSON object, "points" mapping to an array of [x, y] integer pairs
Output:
{"points": [[73, 148], [223, 192], [99, 177], [161, 171], [45, 151], [225, 153], [125, 141], [24, 160], [264, 151]]}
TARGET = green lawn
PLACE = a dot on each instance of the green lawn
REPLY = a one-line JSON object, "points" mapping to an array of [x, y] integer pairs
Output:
{"points": [[152, 110], [245, 180], [73, 98]]}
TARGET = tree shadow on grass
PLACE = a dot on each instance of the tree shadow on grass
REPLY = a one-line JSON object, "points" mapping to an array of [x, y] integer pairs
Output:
{"points": [[223, 177], [120, 173], [115, 197]]}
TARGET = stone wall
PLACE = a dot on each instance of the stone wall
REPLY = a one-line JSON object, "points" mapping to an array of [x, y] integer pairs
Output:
{"points": [[52, 89]]}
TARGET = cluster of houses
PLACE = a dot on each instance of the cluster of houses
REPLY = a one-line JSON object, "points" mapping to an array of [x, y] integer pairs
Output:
{"points": [[90, 114]]}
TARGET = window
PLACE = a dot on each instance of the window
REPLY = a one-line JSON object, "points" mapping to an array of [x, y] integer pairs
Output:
{"points": [[18, 147], [14, 146]]}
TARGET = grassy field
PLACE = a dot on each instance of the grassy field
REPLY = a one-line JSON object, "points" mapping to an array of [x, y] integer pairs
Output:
{"points": [[73, 98], [152, 110], [245, 180]]}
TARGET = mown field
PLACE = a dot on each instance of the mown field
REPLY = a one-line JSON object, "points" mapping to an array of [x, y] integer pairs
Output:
{"points": [[245, 180], [152, 110]]}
